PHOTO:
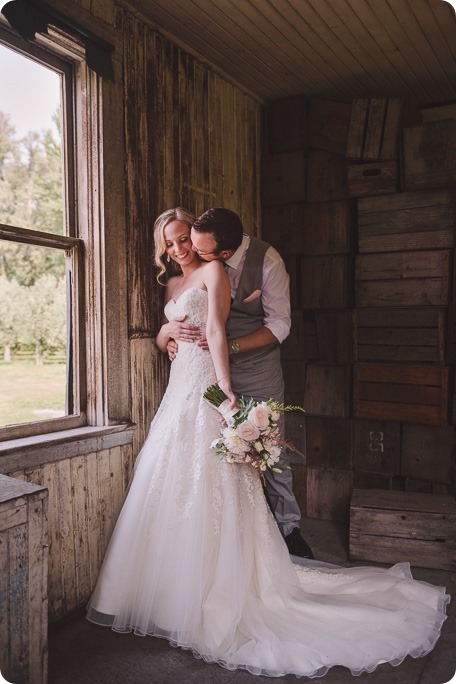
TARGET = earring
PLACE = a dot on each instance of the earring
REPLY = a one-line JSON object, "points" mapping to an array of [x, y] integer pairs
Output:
{"points": [[168, 259]]}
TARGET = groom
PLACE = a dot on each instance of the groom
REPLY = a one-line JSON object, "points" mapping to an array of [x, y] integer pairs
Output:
{"points": [[259, 320]]}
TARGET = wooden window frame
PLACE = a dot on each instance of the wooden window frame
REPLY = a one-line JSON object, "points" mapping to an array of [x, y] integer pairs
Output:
{"points": [[82, 104]]}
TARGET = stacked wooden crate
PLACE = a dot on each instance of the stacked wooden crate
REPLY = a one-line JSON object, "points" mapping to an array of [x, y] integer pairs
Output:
{"points": [[404, 262], [358, 198], [315, 234]]}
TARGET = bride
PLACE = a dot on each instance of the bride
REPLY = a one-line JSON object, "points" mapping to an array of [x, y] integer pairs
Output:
{"points": [[196, 556]]}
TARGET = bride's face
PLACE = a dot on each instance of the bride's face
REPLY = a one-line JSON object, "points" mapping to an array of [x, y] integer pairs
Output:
{"points": [[178, 243]]}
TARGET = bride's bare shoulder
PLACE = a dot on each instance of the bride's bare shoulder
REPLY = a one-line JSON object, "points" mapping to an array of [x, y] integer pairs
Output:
{"points": [[170, 287]]}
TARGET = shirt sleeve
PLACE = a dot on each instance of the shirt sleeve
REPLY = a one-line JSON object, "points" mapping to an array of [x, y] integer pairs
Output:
{"points": [[276, 295]]}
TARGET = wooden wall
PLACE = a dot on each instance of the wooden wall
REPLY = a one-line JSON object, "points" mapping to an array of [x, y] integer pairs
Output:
{"points": [[191, 138], [368, 236], [85, 495]]}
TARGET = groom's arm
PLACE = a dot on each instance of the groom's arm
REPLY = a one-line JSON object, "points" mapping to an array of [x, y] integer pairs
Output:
{"points": [[275, 299]]}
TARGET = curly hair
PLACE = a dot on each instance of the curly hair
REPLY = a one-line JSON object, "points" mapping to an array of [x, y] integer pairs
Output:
{"points": [[176, 214]]}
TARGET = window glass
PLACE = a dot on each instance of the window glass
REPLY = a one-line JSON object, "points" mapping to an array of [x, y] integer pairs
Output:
{"points": [[39, 295]]}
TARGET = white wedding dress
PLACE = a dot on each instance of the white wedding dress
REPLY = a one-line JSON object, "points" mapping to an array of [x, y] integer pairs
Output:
{"points": [[196, 557]]}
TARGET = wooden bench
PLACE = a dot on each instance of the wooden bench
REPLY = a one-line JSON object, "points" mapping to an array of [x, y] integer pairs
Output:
{"points": [[393, 527]]}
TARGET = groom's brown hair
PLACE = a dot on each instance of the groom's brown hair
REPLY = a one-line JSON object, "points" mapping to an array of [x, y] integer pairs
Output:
{"points": [[224, 225]]}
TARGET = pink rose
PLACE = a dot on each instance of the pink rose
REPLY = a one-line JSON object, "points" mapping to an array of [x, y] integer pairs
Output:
{"points": [[248, 431], [259, 416]]}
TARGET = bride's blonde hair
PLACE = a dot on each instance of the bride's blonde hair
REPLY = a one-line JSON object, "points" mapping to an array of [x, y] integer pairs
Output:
{"points": [[176, 214]]}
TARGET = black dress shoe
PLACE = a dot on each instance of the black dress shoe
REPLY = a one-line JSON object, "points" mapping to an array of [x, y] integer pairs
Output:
{"points": [[296, 544]]}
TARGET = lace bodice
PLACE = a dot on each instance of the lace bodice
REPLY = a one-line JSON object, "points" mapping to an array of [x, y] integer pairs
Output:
{"points": [[192, 302]]}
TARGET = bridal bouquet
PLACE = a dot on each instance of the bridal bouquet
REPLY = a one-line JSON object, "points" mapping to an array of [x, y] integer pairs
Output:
{"points": [[251, 434]]}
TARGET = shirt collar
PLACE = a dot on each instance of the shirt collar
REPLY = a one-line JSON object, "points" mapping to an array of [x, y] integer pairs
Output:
{"points": [[236, 258]]}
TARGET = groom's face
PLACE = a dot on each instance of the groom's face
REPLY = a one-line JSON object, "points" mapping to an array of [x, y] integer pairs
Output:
{"points": [[205, 246]]}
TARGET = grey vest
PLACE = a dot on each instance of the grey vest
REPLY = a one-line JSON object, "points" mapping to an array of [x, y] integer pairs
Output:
{"points": [[256, 373]]}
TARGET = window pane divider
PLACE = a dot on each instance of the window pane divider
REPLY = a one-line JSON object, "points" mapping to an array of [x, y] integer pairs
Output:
{"points": [[36, 237]]}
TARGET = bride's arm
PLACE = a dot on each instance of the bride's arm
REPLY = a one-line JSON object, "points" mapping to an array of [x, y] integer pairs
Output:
{"points": [[219, 300]]}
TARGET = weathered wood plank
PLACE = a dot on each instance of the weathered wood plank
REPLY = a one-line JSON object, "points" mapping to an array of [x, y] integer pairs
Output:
{"points": [[328, 493], [406, 221], [326, 177], [66, 530], [37, 589], [329, 443], [422, 145], [287, 124], [324, 282], [428, 453], [56, 593], [391, 527], [415, 394], [402, 334], [327, 228], [80, 486], [377, 446], [327, 390], [328, 125]]}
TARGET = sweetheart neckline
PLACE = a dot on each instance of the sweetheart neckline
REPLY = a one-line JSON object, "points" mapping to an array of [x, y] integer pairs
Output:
{"points": [[194, 287]]}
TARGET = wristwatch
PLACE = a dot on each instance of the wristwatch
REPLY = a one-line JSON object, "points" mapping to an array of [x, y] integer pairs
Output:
{"points": [[235, 348]]}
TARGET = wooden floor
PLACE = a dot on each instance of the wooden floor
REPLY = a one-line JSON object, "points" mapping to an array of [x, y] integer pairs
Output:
{"points": [[82, 653]]}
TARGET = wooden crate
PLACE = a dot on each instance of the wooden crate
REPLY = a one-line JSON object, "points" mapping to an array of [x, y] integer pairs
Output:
{"points": [[328, 443], [406, 221], [294, 375], [328, 124], [327, 228], [326, 177], [23, 581], [396, 527], [428, 453], [292, 265], [405, 393], [429, 159], [327, 390], [333, 336], [328, 494], [377, 447], [402, 334], [402, 279], [325, 282], [287, 124], [375, 127], [293, 346], [367, 480], [373, 178], [283, 179], [284, 227]]}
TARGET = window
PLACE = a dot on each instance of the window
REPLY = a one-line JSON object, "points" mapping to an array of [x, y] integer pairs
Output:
{"points": [[42, 334]]}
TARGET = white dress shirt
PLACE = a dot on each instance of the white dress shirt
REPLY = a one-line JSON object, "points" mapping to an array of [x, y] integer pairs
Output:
{"points": [[275, 289]]}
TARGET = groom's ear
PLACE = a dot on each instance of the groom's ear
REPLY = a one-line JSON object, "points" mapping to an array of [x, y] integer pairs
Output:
{"points": [[225, 254]]}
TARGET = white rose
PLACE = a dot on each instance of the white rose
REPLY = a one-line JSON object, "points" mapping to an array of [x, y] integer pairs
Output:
{"points": [[259, 416], [248, 431], [233, 442], [274, 451]]}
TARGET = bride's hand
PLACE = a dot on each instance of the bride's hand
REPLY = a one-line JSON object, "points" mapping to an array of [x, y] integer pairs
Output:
{"points": [[225, 385], [179, 330]]}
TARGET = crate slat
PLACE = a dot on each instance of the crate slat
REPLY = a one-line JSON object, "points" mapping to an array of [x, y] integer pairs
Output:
{"points": [[392, 527], [414, 394]]}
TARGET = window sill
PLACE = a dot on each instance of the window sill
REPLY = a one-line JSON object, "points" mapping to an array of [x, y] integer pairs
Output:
{"points": [[31, 452]]}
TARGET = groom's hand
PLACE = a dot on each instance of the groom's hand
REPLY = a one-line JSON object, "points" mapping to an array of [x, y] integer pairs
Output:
{"points": [[202, 342], [172, 348]]}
